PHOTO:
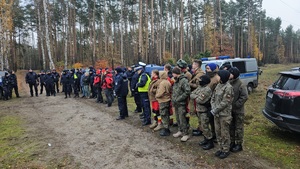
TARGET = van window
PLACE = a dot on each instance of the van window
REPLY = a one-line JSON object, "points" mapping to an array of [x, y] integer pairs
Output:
{"points": [[240, 65]]}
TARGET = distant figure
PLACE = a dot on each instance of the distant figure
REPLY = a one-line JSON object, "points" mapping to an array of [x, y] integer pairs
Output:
{"points": [[6, 86], [121, 91], [66, 82], [50, 84], [33, 81], [42, 80], [14, 84], [56, 79]]}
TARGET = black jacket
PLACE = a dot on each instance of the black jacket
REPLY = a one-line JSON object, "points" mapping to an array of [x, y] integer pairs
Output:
{"points": [[31, 78], [56, 76], [121, 85], [65, 79], [134, 81], [42, 78], [49, 79], [13, 79]]}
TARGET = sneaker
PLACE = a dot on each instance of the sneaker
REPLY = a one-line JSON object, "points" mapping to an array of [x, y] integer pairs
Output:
{"points": [[178, 134], [158, 127], [185, 138], [153, 125]]}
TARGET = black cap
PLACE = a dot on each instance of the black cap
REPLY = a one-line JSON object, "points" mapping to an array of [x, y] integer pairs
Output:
{"points": [[204, 80], [235, 72], [224, 76]]}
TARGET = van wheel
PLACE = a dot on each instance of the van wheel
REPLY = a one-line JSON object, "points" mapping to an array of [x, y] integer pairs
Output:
{"points": [[250, 88]]}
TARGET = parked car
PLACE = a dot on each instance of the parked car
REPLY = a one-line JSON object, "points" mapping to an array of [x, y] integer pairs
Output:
{"points": [[283, 101], [247, 66]]}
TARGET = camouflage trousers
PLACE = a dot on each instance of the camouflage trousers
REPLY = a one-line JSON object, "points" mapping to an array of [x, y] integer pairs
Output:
{"points": [[222, 128], [180, 111], [204, 121], [237, 128], [165, 114]]}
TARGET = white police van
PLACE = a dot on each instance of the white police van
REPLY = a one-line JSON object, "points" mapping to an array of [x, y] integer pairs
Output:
{"points": [[247, 66]]}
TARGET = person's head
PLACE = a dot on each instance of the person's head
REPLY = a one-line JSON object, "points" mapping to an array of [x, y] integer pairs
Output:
{"points": [[204, 80], [176, 72], [53, 70], [224, 76], [30, 70], [196, 64], [129, 68], [211, 67], [87, 73], [167, 67], [182, 64], [139, 69], [119, 70], [234, 73], [6, 74], [225, 66], [48, 72], [12, 72], [155, 73]]}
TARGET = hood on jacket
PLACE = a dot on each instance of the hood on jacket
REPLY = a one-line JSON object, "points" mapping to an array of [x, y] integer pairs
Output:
{"points": [[163, 75]]}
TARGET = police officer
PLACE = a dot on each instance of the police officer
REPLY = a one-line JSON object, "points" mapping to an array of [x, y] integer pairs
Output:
{"points": [[6, 86], [142, 86], [33, 81], [121, 91], [74, 82], [50, 84], [130, 73], [135, 92], [221, 107], [66, 82], [56, 79], [42, 80], [238, 110], [14, 83]]}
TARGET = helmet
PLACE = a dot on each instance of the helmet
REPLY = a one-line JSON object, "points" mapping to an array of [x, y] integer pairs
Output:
{"points": [[181, 63]]}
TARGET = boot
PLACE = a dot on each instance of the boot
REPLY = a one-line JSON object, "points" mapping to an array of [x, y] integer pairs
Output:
{"points": [[178, 134], [203, 142], [224, 155], [237, 148], [197, 132], [209, 145], [232, 145], [185, 138], [165, 132], [153, 125], [158, 127]]}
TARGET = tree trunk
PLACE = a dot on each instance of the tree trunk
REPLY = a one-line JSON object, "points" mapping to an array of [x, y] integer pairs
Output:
{"points": [[66, 34], [152, 32], [140, 50], [40, 36], [181, 30], [221, 29], [121, 31], [51, 64]]}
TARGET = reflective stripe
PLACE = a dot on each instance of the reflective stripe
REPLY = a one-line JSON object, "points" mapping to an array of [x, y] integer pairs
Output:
{"points": [[144, 88]]}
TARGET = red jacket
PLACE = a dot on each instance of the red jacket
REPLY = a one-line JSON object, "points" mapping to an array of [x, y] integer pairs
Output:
{"points": [[108, 81]]}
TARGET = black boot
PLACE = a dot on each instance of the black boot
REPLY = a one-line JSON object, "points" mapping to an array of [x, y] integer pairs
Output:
{"points": [[232, 145], [165, 132], [203, 142], [237, 148], [209, 145], [224, 155], [197, 132]]}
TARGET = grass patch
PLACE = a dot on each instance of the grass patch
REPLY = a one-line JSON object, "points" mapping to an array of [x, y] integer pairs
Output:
{"points": [[261, 136], [15, 149]]}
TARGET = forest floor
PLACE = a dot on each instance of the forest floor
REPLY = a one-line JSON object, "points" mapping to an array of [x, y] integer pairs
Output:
{"points": [[53, 132]]}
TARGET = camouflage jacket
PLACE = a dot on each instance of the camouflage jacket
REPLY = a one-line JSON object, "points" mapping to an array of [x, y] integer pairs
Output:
{"points": [[240, 96], [221, 100], [194, 83], [213, 80], [202, 96], [181, 90]]}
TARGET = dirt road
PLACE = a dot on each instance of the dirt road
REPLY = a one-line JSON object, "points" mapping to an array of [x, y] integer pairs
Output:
{"points": [[78, 133]]}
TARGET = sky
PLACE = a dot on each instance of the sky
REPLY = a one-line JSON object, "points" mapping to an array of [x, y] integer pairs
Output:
{"points": [[287, 10]]}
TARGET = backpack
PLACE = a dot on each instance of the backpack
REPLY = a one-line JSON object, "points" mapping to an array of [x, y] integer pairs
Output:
{"points": [[109, 82]]}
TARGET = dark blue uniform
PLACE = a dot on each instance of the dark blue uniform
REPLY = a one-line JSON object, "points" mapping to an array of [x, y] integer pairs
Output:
{"points": [[56, 80], [121, 91], [42, 81], [6, 83], [32, 79], [144, 99], [66, 82], [49, 83], [14, 85], [137, 99]]}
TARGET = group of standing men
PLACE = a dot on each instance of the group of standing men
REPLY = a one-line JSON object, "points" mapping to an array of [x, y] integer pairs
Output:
{"points": [[217, 97], [8, 83]]}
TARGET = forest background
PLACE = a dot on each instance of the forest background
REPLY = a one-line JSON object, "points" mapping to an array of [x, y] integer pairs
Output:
{"points": [[46, 34]]}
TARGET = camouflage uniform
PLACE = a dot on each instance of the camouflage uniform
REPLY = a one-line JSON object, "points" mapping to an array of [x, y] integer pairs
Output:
{"points": [[221, 103], [202, 97], [180, 96], [238, 111]]}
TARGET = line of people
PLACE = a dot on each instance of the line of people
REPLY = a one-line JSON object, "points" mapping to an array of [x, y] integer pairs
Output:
{"points": [[216, 97]]}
